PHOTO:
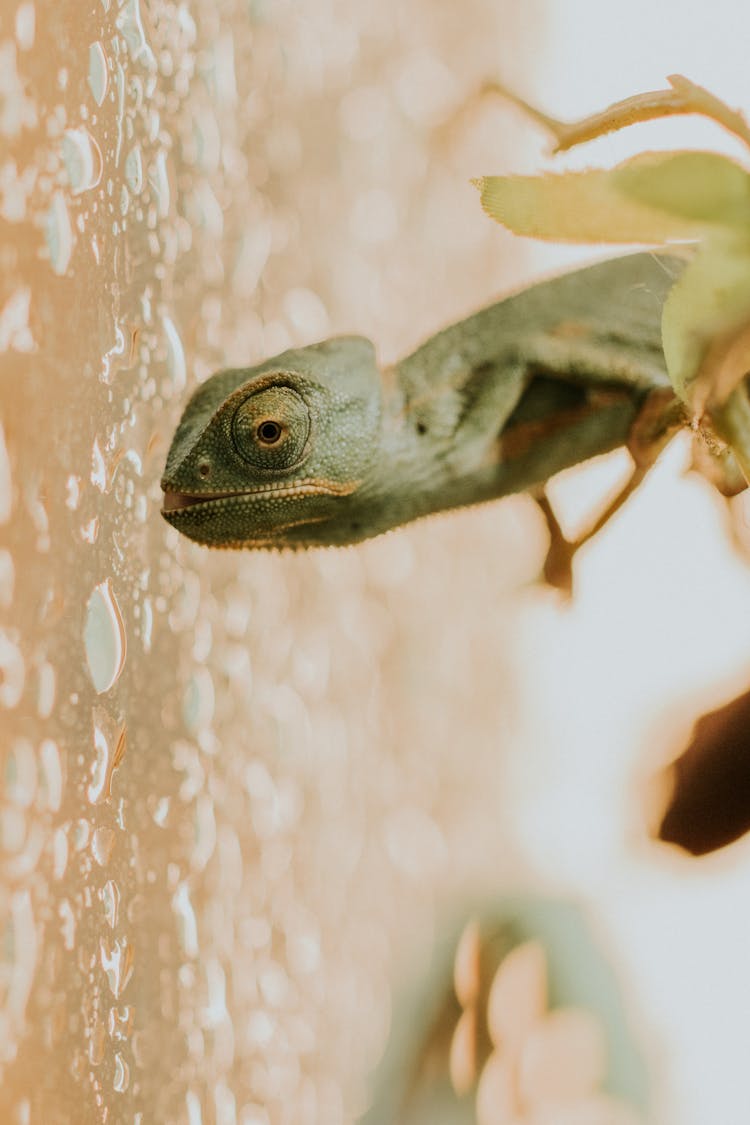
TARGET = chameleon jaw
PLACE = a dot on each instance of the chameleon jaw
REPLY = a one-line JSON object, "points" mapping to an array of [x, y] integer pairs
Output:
{"points": [[204, 518], [258, 514], [177, 501], [174, 501]]}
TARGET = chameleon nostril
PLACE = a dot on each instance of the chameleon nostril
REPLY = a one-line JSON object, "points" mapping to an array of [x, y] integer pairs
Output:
{"points": [[204, 469]]}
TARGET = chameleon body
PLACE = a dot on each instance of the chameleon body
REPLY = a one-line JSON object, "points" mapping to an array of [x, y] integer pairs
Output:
{"points": [[318, 446]]}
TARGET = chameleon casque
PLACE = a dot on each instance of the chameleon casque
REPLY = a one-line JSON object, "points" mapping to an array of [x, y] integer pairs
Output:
{"points": [[319, 446]]}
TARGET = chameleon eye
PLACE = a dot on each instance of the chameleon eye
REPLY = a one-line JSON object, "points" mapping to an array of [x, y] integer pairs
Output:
{"points": [[270, 428]]}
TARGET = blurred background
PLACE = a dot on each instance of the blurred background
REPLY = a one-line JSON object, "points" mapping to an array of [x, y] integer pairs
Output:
{"points": [[240, 791]]}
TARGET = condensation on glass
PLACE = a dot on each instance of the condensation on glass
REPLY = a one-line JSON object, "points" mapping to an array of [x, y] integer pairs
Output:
{"points": [[230, 786]]}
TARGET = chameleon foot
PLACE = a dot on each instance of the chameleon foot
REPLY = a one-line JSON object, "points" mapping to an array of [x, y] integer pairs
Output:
{"points": [[558, 564]]}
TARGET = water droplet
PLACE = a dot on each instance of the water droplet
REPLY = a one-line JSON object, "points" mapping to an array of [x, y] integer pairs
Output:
{"points": [[159, 181], [187, 926], [20, 773], [121, 1022], [59, 853], [133, 457], [306, 312], [6, 495], [274, 985], [193, 1107], [259, 1029], [220, 70], [303, 949], [83, 159], [117, 963], [12, 672], [198, 701], [97, 1045], [25, 25], [160, 811], [215, 1011], [176, 365], [225, 1106], [19, 111], [46, 689], [7, 578], [120, 110], [110, 896], [254, 250], [67, 924], [134, 170], [207, 210], [15, 332], [147, 624], [22, 1112], [59, 234], [205, 832], [81, 834], [18, 955], [119, 357], [102, 845], [110, 745], [129, 22], [98, 75], [153, 124], [50, 776], [186, 24], [35, 505], [72, 492], [12, 830], [90, 530], [122, 1074], [104, 637], [207, 141]]}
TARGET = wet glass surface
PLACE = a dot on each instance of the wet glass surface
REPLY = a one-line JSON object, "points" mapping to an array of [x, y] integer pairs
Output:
{"points": [[217, 801], [236, 787]]}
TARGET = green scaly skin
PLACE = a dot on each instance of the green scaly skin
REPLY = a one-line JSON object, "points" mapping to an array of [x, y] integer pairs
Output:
{"points": [[319, 447]]}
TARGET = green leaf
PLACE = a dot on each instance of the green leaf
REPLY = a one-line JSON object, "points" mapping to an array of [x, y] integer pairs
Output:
{"points": [[707, 306], [581, 207], [701, 186], [732, 423]]}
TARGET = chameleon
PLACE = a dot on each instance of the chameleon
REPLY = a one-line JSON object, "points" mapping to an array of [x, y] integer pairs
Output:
{"points": [[319, 446]]}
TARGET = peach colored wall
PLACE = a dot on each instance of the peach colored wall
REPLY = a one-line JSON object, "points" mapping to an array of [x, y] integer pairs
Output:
{"points": [[231, 782]]}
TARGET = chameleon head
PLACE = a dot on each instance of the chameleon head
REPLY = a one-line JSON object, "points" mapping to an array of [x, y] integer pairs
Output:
{"points": [[274, 455]]}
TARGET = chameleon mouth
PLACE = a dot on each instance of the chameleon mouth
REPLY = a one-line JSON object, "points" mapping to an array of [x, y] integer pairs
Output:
{"points": [[178, 501], [174, 501]]}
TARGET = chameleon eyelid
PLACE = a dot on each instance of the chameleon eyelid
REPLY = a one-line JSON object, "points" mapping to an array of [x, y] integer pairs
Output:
{"points": [[286, 413]]}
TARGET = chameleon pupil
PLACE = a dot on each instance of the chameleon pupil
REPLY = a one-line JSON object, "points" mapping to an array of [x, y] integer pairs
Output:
{"points": [[269, 432]]}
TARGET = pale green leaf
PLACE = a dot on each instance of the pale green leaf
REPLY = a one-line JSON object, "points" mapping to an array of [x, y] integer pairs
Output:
{"points": [[580, 207], [732, 423], [707, 309], [701, 186]]}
